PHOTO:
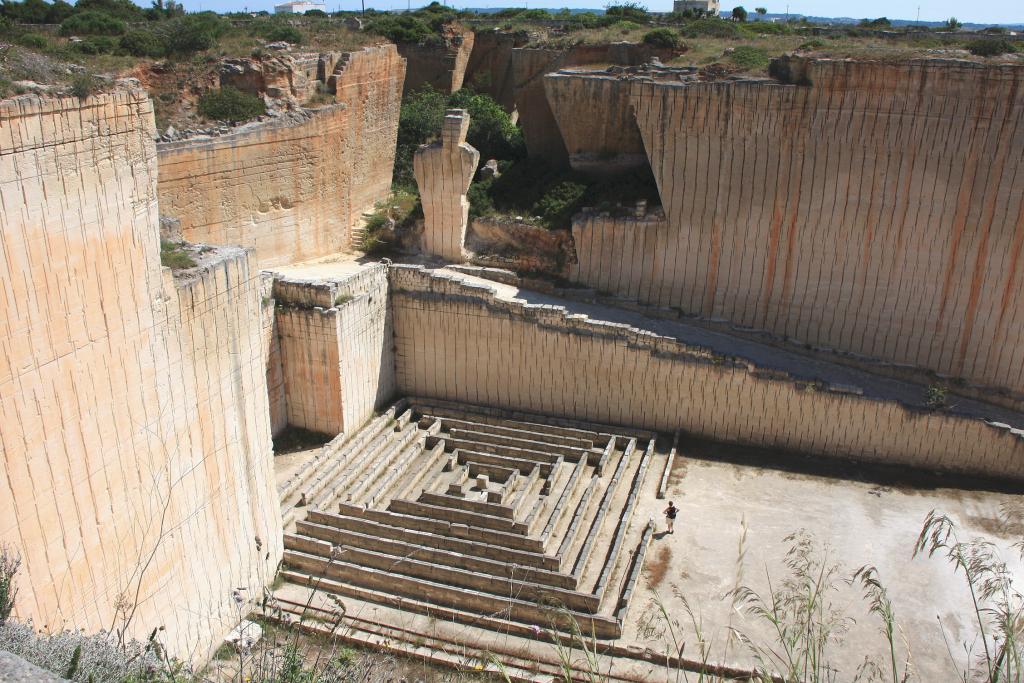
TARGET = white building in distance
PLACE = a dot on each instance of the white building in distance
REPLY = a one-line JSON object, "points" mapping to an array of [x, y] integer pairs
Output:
{"points": [[299, 7], [709, 7]]}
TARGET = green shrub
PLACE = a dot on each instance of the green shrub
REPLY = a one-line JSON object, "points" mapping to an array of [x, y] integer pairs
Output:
{"points": [[92, 23], [126, 10], [401, 28], [315, 13], [558, 204], [631, 11], [34, 41], [491, 130], [230, 104], [937, 397], [174, 257], [193, 32], [662, 37], [284, 33], [813, 44], [739, 13], [480, 201], [710, 27], [83, 84], [991, 47], [144, 44], [749, 57], [97, 45]]}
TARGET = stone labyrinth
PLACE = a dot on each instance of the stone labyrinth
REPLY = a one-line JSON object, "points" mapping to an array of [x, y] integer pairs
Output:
{"points": [[508, 520]]}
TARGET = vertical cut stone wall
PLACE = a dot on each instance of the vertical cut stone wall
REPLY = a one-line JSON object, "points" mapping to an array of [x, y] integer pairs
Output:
{"points": [[335, 340], [292, 188], [459, 342], [878, 211], [135, 455]]}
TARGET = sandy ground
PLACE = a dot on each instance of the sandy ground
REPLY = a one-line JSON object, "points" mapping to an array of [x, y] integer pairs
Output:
{"points": [[731, 531]]}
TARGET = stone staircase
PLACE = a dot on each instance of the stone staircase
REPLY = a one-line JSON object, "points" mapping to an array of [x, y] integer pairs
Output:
{"points": [[505, 519]]}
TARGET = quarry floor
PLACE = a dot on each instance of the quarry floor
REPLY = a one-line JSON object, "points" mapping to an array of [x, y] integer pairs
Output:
{"points": [[731, 530]]}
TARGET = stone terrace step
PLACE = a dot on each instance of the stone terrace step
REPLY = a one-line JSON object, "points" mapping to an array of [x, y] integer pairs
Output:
{"points": [[503, 567], [445, 528], [465, 599], [446, 513], [356, 523], [468, 444], [467, 457], [503, 416], [448, 423], [399, 565], [480, 506], [572, 453], [601, 626]]}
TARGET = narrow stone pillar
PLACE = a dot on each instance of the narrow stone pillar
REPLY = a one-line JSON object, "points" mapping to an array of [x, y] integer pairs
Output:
{"points": [[443, 172]]}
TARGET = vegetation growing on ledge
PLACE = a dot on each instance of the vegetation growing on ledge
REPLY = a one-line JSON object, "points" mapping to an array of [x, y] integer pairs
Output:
{"points": [[174, 256], [230, 104], [424, 26], [552, 195]]}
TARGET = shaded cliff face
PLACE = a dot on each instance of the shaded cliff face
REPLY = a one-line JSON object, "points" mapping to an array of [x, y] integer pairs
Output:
{"points": [[293, 188], [136, 456], [490, 65], [595, 118], [442, 67], [514, 76], [877, 211]]}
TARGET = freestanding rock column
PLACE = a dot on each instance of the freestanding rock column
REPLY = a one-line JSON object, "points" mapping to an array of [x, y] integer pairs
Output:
{"points": [[443, 172]]}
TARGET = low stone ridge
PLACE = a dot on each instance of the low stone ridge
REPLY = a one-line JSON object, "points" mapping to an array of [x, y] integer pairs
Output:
{"points": [[490, 512]]}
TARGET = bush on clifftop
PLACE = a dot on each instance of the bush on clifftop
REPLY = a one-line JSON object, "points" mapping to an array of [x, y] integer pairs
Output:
{"points": [[662, 37], [991, 47], [229, 104]]}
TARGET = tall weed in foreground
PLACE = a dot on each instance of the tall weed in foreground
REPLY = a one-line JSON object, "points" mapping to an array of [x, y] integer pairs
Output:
{"points": [[998, 607], [10, 562]]}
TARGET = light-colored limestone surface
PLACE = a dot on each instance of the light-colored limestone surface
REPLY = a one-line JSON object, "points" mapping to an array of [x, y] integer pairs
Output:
{"points": [[877, 211], [462, 342], [135, 455], [595, 118], [334, 334], [295, 187], [443, 173]]}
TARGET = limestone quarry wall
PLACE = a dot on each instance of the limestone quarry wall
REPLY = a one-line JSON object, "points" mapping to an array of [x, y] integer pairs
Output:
{"points": [[460, 342], [442, 67], [335, 349], [135, 455], [292, 188], [528, 67], [489, 69], [595, 118], [877, 212]]}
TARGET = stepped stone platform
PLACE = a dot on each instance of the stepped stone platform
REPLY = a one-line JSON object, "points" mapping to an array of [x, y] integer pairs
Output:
{"points": [[505, 520]]}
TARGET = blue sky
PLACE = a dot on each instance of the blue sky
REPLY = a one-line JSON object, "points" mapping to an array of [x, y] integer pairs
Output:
{"points": [[992, 11]]}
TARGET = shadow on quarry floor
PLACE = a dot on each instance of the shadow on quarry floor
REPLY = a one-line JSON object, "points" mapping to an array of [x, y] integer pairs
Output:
{"points": [[799, 466]]}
